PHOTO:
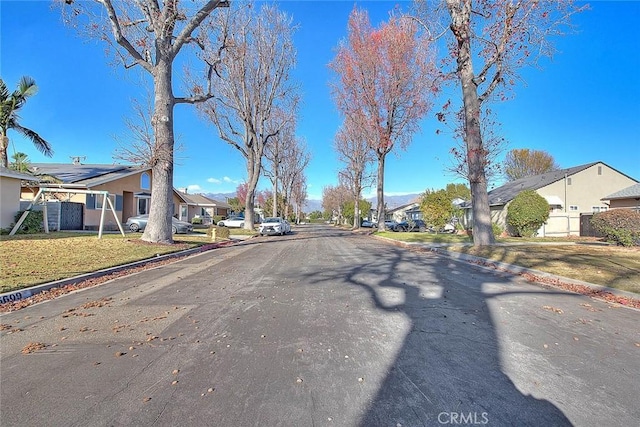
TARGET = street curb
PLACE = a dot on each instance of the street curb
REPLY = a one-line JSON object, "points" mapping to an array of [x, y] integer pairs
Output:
{"points": [[15, 296], [510, 268]]}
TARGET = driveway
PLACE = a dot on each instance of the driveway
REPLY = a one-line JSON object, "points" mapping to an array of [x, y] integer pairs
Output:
{"points": [[320, 328]]}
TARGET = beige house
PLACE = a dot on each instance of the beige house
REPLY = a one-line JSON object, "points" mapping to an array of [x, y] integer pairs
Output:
{"points": [[199, 206], [129, 189], [404, 212], [627, 198], [10, 182], [571, 193]]}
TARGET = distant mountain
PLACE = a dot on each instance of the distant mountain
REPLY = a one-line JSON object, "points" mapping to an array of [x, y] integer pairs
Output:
{"points": [[312, 205], [396, 200], [221, 197]]}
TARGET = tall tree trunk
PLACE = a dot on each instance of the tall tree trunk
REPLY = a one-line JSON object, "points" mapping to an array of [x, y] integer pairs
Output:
{"points": [[274, 208], [254, 163], [380, 191], [476, 153], [356, 213], [159, 228], [4, 146]]}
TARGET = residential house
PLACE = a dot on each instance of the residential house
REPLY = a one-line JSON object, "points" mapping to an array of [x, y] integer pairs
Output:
{"points": [[129, 188], [199, 206], [628, 198], [571, 192], [10, 182], [404, 212]]}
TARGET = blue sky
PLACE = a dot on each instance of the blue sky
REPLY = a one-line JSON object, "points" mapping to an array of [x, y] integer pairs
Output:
{"points": [[583, 106]]}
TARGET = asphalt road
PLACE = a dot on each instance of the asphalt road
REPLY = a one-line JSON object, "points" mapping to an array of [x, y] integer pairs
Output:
{"points": [[320, 328]]}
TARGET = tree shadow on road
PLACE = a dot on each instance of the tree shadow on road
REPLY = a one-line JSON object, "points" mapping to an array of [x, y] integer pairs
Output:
{"points": [[449, 368]]}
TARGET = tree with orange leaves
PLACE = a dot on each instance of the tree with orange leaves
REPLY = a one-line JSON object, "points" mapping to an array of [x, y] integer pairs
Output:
{"points": [[384, 85]]}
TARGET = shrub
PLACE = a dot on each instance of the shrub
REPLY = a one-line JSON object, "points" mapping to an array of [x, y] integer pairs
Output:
{"points": [[497, 229], [620, 226], [527, 212], [196, 220], [33, 223], [217, 218]]}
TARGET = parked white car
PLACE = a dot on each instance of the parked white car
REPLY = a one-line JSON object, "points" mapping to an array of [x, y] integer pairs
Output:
{"points": [[232, 222], [274, 225]]}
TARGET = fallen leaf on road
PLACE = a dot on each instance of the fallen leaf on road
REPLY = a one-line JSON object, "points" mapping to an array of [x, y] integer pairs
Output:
{"points": [[99, 303], [33, 346], [554, 309]]}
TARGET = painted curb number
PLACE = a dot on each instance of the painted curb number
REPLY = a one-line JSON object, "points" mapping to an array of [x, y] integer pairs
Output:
{"points": [[14, 296]]}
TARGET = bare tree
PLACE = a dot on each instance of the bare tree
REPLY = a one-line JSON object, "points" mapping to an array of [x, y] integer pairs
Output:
{"points": [[274, 155], [255, 97], [299, 196], [139, 145], [494, 144], [354, 152], [296, 160], [150, 34], [333, 199], [385, 76], [491, 41]]}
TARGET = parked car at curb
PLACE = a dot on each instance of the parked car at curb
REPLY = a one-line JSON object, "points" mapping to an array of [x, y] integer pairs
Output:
{"points": [[232, 222], [139, 222], [389, 225], [274, 225], [412, 225], [368, 224]]}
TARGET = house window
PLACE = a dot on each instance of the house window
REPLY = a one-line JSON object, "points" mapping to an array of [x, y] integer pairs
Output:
{"points": [[145, 181], [143, 206], [599, 170], [573, 208], [184, 212], [94, 201], [100, 198], [568, 181], [597, 209]]}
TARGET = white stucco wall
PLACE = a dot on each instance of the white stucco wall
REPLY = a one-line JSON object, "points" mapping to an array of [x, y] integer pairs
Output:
{"points": [[9, 200]]}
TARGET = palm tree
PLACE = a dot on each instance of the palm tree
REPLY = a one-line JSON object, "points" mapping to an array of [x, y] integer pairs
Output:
{"points": [[9, 118], [20, 162]]}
